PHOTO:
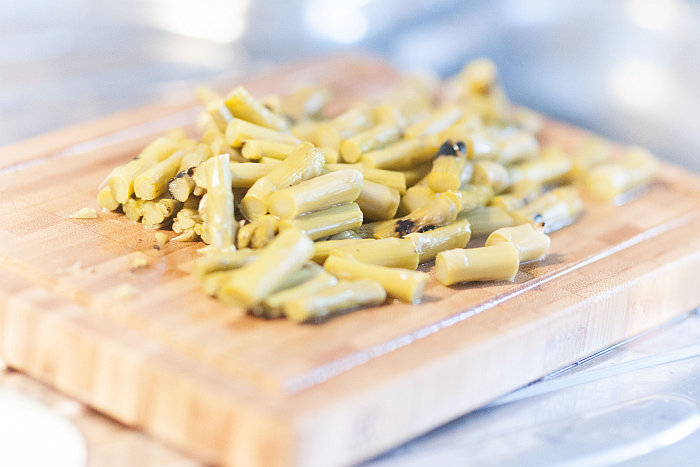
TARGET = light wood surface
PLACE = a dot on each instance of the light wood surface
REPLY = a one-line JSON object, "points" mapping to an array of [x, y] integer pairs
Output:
{"points": [[237, 390]]}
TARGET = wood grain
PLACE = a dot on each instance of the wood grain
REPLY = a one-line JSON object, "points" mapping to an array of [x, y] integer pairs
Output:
{"points": [[109, 443], [237, 390]]}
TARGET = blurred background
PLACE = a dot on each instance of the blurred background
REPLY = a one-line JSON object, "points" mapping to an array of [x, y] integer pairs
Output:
{"points": [[626, 69]]}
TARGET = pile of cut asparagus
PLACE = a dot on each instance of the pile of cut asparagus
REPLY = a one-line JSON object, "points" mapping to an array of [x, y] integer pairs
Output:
{"points": [[305, 216]]}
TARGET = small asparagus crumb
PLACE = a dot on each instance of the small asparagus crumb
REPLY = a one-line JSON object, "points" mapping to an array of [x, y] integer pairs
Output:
{"points": [[84, 213], [161, 239], [139, 262], [125, 292]]}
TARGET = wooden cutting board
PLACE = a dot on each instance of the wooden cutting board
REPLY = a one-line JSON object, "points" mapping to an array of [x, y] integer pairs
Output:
{"points": [[242, 391]]}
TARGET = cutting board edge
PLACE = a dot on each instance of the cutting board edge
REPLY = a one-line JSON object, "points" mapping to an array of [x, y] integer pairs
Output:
{"points": [[638, 294], [144, 388], [295, 431]]}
